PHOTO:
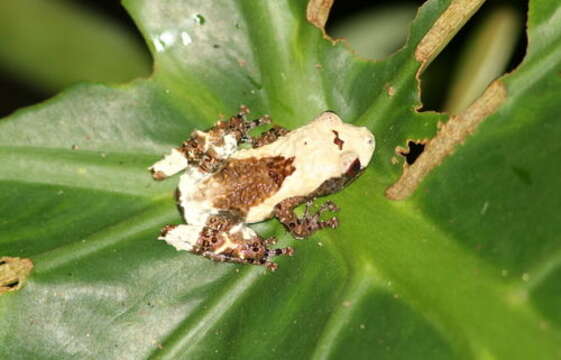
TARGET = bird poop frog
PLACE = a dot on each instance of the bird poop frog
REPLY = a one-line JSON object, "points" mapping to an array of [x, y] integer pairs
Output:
{"points": [[223, 187]]}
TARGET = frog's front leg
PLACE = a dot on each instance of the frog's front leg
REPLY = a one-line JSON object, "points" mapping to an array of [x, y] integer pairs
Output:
{"points": [[301, 227]]}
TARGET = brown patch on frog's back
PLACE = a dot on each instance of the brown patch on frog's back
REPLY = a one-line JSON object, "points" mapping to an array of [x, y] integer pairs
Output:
{"points": [[244, 183]]}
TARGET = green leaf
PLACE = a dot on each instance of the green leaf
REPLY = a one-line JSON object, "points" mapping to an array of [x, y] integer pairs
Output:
{"points": [[56, 43], [468, 267]]}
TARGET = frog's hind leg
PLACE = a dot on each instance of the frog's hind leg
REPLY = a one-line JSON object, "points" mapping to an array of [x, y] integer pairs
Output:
{"points": [[171, 164], [264, 260], [239, 126], [182, 237], [268, 136], [238, 243], [210, 243], [309, 223], [207, 151], [224, 238], [202, 152], [236, 260]]}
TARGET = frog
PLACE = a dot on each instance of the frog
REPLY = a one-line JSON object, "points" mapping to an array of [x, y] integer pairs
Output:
{"points": [[232, 179]]}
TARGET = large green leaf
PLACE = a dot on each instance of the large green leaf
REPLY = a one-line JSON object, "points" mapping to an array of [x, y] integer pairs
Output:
{"points": [[466, 268]]}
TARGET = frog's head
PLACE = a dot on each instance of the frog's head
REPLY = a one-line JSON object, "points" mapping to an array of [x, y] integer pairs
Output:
{"points": [[354, 145]]}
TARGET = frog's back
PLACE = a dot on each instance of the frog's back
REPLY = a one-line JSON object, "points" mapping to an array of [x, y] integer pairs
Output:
{"points": [[253, 181]]}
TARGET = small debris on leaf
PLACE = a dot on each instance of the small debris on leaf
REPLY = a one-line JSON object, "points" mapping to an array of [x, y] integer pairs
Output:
{"points": [[13, 272]]}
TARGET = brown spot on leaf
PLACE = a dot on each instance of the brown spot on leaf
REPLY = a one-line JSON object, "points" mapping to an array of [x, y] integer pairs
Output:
{"points": [[449, 136], [13, 273], [318, 11], [389, 89]]}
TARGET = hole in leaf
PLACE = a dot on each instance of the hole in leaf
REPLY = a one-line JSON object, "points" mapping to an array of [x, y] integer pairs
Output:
{"points": [[374, 30], [412, 152], [491, 43]]}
